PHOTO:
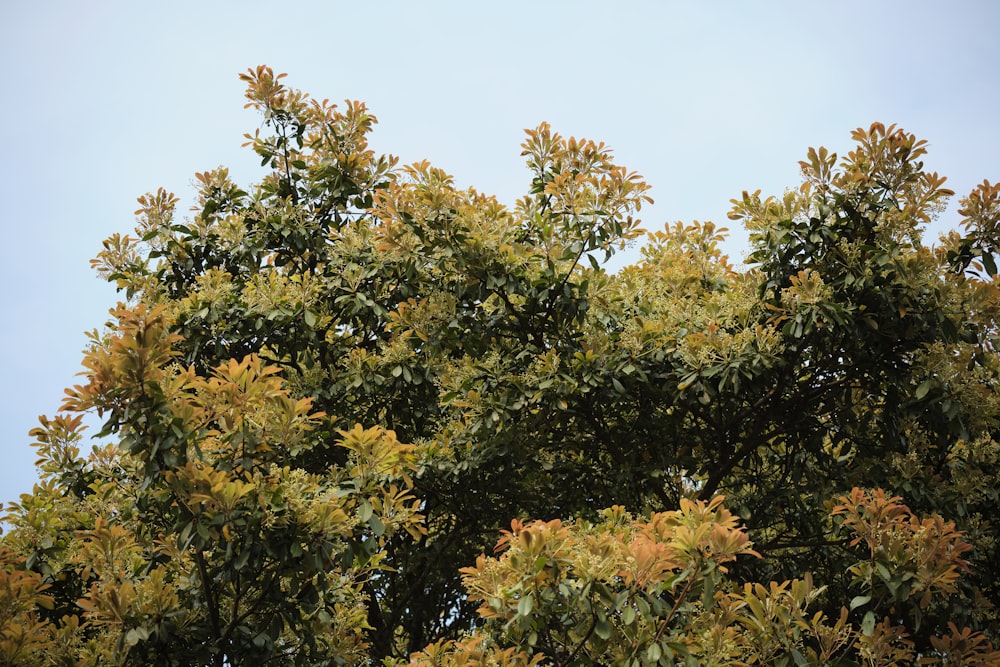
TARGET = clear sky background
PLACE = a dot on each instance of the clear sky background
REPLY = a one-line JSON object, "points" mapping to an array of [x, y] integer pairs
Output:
{"points": [[106, 100]]}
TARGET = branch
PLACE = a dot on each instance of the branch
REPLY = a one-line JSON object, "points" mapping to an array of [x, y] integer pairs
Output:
{"points": [[210, 602], [586, 637]]}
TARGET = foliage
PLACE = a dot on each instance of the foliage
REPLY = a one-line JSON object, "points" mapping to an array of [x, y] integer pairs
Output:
{"points": [[326, 393], [191, 540], [629, 591]]}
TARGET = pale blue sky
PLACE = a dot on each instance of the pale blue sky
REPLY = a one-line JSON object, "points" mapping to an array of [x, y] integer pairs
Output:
{"points": [[104, 101]]}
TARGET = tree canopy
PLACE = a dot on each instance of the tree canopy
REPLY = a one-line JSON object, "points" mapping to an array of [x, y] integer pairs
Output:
{"points": [[354, 414]]}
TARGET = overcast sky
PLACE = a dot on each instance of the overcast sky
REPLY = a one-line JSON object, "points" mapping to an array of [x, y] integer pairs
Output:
{"points": [[106, 100]]}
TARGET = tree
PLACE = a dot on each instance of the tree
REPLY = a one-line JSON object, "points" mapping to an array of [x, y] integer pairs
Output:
{"points": [[624, 591], [191, 540], [235, 509]]}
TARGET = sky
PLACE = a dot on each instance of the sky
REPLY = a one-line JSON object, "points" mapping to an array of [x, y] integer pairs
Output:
{"points": [[107, 100]]}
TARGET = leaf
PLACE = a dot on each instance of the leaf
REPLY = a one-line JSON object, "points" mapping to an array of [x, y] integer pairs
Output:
{"points": [[628, 615], [525, 606], [923, 388], [602, 628], [377, 526], [365, 511], [868, 624], [989, 263], [859, 601]]}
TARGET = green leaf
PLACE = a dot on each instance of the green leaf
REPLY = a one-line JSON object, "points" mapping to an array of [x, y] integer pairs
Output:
{"points": [[989, 263], [375, 523], [525, 606], [859, 601], [923, 388], [628, 615], [202, 531], [708, 595], [868, 624], [241, 559], [602, 628], [365, 511]]}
